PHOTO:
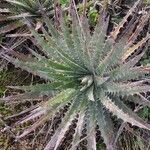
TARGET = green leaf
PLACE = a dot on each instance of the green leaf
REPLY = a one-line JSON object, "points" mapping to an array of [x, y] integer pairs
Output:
{"points": [[112, 58], [19, 4], [105, 125], [127, 89], [91, 126]]}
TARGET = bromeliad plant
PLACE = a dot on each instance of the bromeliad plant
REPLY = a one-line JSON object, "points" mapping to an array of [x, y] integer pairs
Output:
{"points": [[87, 73], [12, 12]]}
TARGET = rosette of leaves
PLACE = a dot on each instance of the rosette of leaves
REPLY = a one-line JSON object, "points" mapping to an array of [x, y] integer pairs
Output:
{"points": [[89, 75], [12, 12]]}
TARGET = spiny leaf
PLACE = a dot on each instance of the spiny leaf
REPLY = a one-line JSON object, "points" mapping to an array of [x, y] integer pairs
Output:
{"points": [[124, 72], [25, 66], [59, 134], [58, 49], [47, 46], [105, 126], [122, 111], [72, 40], [127, 89], [112, 58], [142, 22], [79, 38], [33, 127], [47, 109], [38, 87], [139, 99], [121, 24], [37, 96], [98, 43], [78, 131], [37, 112], [91, 127], [11, 26], [132, 62], [19, 4], [42, 68], [135, 47], [21, 113], [66, 95]]}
